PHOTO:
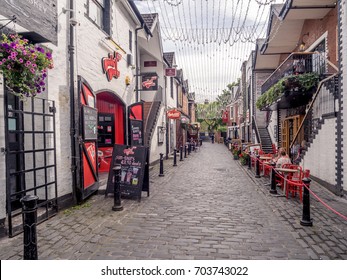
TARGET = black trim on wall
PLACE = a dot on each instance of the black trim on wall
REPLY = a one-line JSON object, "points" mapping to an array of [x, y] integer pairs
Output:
{"points": [[339, 120]]}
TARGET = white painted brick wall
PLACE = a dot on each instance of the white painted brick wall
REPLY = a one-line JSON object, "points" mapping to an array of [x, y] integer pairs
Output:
{"points": [[259, 79], [91, 47], [156, 148], [271, 127], [320, 156]]}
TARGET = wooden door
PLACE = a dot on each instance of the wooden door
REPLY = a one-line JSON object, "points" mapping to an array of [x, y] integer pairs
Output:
{"points": [[290, 127], [285, 138]]}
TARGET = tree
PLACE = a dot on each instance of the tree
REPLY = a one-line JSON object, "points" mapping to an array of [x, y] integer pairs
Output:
{"points": [[211, 113]]}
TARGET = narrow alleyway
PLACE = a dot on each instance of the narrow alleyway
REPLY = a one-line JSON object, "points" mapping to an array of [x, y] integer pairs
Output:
{"points": [[208, 207]]}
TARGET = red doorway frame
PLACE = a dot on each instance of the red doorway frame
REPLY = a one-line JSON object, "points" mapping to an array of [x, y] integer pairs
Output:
{"points": [[109, 102]]}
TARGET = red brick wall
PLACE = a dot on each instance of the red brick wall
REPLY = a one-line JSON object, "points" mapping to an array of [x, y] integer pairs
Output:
{"points": [[317, 28]]}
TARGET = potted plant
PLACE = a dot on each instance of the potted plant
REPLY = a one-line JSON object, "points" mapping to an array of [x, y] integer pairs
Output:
{"points": [[236, 153], [23, 65], [244, 158]]}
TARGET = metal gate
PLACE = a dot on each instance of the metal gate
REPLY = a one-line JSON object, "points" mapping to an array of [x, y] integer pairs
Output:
{"points": [[30, 158]]}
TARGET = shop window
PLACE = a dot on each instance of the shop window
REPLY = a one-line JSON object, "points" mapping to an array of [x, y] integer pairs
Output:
{"points": [[98, 11]]}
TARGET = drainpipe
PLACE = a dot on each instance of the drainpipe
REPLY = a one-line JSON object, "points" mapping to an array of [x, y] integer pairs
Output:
{"points": [[137, 62], [71, 48]]}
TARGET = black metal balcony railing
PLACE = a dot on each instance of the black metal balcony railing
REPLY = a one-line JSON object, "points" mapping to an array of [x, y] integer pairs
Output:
{"points": [[296, 63]]}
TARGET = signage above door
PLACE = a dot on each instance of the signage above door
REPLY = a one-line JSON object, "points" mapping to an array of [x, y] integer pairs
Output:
{"points": [[110, 65]]}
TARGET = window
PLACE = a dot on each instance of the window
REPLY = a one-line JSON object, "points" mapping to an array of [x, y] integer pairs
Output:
{"points": [[318, 60], [98, 11], [130, 41]]}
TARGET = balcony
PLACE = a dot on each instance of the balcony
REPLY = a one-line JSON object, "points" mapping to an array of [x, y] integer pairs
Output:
{"points": [[293, 83], [296, 63]]}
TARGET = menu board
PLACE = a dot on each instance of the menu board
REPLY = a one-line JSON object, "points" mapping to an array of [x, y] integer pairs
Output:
{"points": [[136, 133], [90, 123], [133, 162]]}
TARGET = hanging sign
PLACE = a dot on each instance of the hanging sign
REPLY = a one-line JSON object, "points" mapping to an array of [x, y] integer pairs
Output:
{"points": [[150, 64], [170, 72], [150, 81], [173, 114], [110, 65]]}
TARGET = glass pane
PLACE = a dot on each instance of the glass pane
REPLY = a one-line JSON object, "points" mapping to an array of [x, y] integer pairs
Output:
{"points": [[95, 12]]}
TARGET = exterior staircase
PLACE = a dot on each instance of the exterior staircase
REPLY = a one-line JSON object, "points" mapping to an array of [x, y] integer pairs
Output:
{"points": [[265, 139], [314, 123], [151, 112]]}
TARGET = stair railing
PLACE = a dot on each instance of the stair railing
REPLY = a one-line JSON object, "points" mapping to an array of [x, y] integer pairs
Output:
{"points": [[152, 116], [321, 105], [256, 130]]}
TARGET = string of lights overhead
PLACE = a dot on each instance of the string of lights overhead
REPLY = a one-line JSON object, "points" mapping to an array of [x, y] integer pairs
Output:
{"points": [[211, 38]]}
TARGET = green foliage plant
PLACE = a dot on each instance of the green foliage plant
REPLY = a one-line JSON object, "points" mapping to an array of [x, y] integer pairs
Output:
{"points": [[302, 82]]}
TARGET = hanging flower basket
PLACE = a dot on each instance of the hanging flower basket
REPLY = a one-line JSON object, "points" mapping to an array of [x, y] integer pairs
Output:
{"points": [[23, 65]]}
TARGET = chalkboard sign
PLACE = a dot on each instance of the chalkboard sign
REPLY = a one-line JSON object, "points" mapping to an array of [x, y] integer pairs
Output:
{"points": [[136, 133], [133, 162], [90, 121]]}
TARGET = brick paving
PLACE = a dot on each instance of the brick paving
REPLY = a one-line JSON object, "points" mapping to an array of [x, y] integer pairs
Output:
{"points": [[208, 207]]}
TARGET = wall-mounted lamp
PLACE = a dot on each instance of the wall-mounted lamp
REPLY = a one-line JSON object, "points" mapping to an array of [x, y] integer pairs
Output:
{"points": [[302, 46], [127, 80]]}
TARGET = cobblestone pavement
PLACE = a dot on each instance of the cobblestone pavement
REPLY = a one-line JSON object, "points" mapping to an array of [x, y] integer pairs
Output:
{"points": [[208, 207]]}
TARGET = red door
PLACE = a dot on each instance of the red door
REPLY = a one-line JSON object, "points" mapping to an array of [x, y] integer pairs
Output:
{"points": [[88, 181], [135, 127]]}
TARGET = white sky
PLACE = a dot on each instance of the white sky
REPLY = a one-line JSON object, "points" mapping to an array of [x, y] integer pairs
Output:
{"points": [[210, 38]]}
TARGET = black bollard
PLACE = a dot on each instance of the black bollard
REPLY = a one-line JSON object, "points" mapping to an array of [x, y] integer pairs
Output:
{"points": [[257, 168], [189, 148], [161, 167], [181, 153], [29, 214], [117, 205], [306, 219], [194, 147], [175, 159], [185, 151], [273, 179], [249, 160], [200, 142]]}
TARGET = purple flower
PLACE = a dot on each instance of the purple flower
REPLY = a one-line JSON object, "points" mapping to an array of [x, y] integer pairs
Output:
{"points": [[34, 65], [14, 54], [13, 45], [9, 66], [42, 83], [27, 63], [21, 60], [6, 46], [41, 50], [0, 63], [4, 60], [49, 55]]}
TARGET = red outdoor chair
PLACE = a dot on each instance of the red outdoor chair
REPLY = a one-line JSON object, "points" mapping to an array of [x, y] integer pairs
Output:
{"points": [[294, 185]]}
